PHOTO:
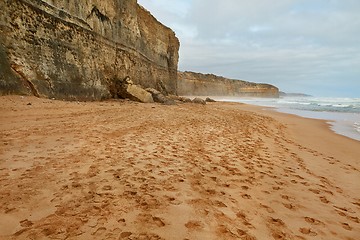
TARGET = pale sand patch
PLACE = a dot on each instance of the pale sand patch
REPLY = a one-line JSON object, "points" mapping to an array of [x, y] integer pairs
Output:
{"points": [[123, 170]]}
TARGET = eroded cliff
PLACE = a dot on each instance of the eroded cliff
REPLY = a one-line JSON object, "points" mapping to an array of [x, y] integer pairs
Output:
{"points": [[77, 49], [198, 84]]}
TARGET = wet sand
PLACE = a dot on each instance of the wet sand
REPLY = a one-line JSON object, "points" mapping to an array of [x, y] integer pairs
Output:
{"points": [[125, 170]]}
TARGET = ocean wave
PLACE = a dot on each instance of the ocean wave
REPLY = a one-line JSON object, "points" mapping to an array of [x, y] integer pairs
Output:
{"points": [[342, 106], [335, 100], [323, 104], [357, 126], [294, 102], [317, 104]]}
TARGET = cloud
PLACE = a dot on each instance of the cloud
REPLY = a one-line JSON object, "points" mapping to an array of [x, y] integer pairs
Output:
{"points": [[296, 45]]}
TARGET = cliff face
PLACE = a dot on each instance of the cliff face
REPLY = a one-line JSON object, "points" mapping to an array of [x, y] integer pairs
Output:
{"points": [[76, 49], [197, 84]]}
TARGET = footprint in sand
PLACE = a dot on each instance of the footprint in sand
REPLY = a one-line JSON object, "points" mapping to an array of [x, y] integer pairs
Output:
{"points": [[99, 231], [211, 191], [26, 223], [9, 209], [339, 190], [354, 219], [219, 204], [312, 221], [173, 200], [286, 197], [75, 184], [314, 191], [305, 183], [125, 235], [246, 196], [278, 234], [107, 188], [193, 225], [244, 235], [324, 199], [346, 226], [289, 206], [158, 222], [276, 221], [341, 213], [244, 187], [268, 209], [298, 176], [357, 202], [344, 209], [244, 219], [307, 231]]}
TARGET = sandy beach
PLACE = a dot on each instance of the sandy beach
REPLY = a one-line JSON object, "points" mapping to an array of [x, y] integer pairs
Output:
{"points": [[126, 170]]}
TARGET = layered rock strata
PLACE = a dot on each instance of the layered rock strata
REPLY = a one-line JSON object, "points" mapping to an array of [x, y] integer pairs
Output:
{"points": [[198, 84], [77, 49]]}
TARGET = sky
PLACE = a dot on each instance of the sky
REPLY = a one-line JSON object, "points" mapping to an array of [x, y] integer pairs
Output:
{"points": [[300, 46]]}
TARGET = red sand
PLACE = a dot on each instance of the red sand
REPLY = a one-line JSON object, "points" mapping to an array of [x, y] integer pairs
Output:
{"points": [[123, 170]]}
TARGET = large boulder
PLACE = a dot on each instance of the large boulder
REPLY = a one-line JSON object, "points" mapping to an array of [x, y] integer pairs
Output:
{"points": [[180, 99], [199, 101], [137, 93], [125, 88], [209, 100], [159, 97]]}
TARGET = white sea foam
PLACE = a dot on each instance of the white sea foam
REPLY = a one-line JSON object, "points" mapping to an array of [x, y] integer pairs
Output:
{"points": [[341, 105], [357, 126]]}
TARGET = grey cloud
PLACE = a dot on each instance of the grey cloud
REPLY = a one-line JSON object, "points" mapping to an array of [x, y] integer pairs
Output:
{"points": [[292, 44]]}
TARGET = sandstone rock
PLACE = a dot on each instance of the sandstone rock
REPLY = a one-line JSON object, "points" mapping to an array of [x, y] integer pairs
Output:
{"points": [[74, 49], [209, 100], [125, 89], [136, 93], [180, 99], [159, 97], [199, 101], [154, 92], [198, 84], [186, 100], [156, 95]]}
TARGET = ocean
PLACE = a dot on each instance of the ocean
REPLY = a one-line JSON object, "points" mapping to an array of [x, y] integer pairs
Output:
{"points": [[343, 114]]}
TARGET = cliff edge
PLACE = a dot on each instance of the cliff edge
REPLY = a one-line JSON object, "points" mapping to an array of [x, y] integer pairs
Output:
{"points": [[198, 84], [78, 49]]}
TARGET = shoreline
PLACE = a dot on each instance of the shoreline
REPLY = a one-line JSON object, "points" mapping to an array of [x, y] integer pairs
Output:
{"points": [[118, 169], [342, 123], [335, 120], [335, 126], [322, 124]]}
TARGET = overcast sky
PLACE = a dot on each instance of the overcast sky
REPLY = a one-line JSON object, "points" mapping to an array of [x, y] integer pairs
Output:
{"points": [[308, 46]]}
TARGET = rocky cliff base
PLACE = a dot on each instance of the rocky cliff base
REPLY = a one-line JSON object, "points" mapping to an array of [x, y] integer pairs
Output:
{"points": [[76, 50]]}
